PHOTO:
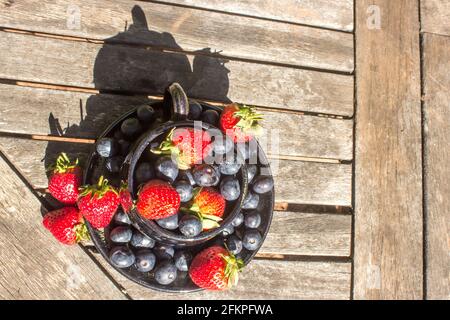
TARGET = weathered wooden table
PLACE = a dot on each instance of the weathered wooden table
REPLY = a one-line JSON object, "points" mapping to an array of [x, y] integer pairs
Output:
{"points": [[362, 187]]}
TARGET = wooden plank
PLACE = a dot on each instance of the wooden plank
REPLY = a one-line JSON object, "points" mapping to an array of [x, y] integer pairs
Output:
{"points": [[86, 116], [321, 13], [32, 264], [388, 253], [118, 67], [437, 169], [296, 233], [179, 28], [266, 279], [435, 16], [295, 181]]}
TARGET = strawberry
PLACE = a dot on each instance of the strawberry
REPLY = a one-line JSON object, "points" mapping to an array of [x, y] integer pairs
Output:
{"points": [[240, 122], [66, 225], [157, 199], [98, 203], [208, 205], [65, 180], [215, 268], [125, 197], [190, 146]]}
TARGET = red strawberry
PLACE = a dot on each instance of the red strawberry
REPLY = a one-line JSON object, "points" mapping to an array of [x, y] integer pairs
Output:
{"points": [[65, 180], [209, 206], [189, 145], [240, 122], [98, 203], [215, 268], [125, 197], [158, 199], [66, 225]]}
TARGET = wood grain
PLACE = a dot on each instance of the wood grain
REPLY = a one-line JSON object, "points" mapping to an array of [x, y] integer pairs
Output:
{"points": [[388, 253], [321, 13], [295, 181], [188, 29], [118, 67], [296, 233], [437, 166], [280, 279], [32, 264], [86, 116], [435, 16]]}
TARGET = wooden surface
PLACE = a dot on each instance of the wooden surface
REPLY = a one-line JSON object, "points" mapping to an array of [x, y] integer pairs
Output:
{"points": [[436, 64], [336, 14], [267, 279], [295, 181], [83, 115], [388, 261], [240, 37], [309, 234], [435, 16], [125, 68], [33, 265]]}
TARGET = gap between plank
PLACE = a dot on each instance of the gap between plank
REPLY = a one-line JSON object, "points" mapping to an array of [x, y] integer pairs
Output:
{"points": [[424, 156], [355, 105], [236, 14], [171, 50]]}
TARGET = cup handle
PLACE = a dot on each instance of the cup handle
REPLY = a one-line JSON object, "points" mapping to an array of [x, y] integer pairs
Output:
{"points": [[176, 104]]}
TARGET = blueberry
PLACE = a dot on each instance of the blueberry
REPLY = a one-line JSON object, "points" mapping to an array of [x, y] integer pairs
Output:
{"points": [[131, 127], [206, 175], [195, 110], [234, 244], [228, 230], [145, 113], [114, 164], [107, 147], [182, 260], [252, 240], [163, 251], [122, 218], [252, 220], [170, 223], [262, 184], [124, 146], [238, 220], [166, 169], [251, 201], [166, 273], [230, 164], [140, 240], [230, 189], [251, 172], [211, 117], [190, 226], [222, 144], [121, 257], [145, 260], [121, 234], [187, 175], [144, 172], [185, 190]]}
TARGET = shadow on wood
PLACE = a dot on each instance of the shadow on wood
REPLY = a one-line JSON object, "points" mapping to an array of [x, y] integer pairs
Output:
{"points": [[124, 67]]}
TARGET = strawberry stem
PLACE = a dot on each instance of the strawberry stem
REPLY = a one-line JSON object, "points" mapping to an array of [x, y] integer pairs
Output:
{"points": [[62, 164], [98, 190], [233, 266]]}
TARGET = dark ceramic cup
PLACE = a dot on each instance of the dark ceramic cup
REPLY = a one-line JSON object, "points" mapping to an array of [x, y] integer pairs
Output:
{"points": [[176, 102]]}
